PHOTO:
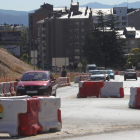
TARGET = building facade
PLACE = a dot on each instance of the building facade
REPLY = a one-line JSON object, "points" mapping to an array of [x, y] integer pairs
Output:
{"points": [[63, 35], [44, 11], [134, 19]]}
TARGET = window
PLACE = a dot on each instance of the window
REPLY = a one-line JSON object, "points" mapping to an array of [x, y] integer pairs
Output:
{"points": [[123, 23], [82, 43], [77, 50], [76, 30], [76, 22], [77, 57], [123, 17], [82, 36], [132, 42], [76, 43], [126, 42], [76, 36], [82, 30], [82, 23]]}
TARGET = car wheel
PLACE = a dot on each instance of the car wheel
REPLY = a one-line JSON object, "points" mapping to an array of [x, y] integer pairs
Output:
{"points": [[124, 79], [136, 78]]}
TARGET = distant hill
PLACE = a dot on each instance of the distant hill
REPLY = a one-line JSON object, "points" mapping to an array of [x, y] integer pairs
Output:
{"points": [[14, 19], [21, 17], [124, 4]]}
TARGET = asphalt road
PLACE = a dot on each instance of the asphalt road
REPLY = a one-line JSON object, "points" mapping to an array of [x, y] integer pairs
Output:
{"points": [[88, 118]]}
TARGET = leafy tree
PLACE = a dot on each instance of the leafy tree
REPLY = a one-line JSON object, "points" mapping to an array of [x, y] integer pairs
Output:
{"points": [[24, 41], [103, 46], [25, 58], [7, 27], [133, 58], [84, 63]]}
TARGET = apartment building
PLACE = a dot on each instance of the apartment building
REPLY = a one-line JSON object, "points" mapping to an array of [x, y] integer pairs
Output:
{"points": [[132, 39], [134, 19], [44, 11], [63, 34]]}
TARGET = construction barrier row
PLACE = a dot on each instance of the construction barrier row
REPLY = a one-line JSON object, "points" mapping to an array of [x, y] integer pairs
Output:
{"points": [[8, 89], [63, 81], [82, 78], [100, 89], [26, 116]]}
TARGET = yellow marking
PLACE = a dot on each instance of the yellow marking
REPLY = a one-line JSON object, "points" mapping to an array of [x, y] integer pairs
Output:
{"points": [[71, 97], [58, 133], [1, 108]]}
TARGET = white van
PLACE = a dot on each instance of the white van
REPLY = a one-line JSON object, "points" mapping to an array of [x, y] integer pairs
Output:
{"points": [[91, 67]]}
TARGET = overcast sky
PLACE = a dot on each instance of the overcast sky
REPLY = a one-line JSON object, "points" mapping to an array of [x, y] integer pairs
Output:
{"points": [[28, 5]]}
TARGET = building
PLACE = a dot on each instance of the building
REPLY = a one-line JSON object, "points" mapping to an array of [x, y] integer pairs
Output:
{"points": [[63, 34], [134, 19], [132, 38], [17, 49], [44, 11]]}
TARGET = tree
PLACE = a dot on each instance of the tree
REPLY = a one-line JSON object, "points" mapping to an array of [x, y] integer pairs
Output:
{"points": [[133, 59], [103, 46], [24, 41], [25, 58], [84, 63], [7, 27]]}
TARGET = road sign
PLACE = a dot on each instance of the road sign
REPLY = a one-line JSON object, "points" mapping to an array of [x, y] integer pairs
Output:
{"points": [[80, 64], [34, 61], [34, 54]]}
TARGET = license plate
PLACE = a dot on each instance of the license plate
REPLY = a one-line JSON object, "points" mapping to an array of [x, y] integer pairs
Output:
{"points": [[97, 78], [34, 91], [130, 74]]}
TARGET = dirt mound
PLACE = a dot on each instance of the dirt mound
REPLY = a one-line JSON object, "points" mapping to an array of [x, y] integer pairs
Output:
{"points": [[10, 66]]}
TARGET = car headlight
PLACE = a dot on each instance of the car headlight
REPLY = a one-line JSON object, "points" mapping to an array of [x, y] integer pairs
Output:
{"points": [[43, 87], [20, 87]]}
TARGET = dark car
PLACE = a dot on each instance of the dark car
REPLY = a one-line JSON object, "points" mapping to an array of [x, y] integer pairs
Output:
{"points": [[111, 74], [130, 74], [37, 83]]}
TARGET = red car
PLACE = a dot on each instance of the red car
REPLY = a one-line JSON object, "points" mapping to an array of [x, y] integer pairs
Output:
{"points": [[37, 83]]}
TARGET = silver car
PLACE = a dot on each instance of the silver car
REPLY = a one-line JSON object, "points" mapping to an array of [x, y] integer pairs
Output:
{"points": [[98, 75]]}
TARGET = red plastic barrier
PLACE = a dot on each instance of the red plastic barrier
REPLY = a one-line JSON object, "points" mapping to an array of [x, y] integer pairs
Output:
{"points": [[4, 90], [15, 86], [29, 122], [12, 89], [91, 88], [116, 72], [121, 92], [59, 116], [137, 99]]}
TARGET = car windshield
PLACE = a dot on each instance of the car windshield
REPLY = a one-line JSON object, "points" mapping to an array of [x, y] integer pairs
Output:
{"points": [[110, 71], [35, 76], [130, 70], [91, 68], [98, 72]]}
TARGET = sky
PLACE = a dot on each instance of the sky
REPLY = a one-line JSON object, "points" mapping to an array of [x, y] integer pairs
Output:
{"points": [[29, 5]]}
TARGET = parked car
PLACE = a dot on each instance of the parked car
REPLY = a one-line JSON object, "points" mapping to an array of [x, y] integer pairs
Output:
{"points": [[37, 83], [130, 74], [101, 75], [111, 74]]}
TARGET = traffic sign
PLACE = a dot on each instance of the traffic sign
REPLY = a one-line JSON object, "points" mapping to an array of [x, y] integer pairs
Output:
{"points": [[34, 61], [80, 64]]}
